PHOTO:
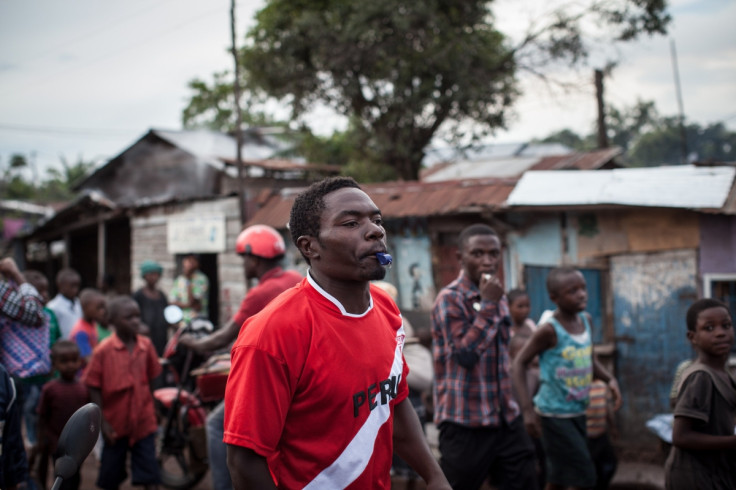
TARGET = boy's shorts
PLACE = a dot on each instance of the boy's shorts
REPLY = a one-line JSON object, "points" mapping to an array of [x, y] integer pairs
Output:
{"points": [[143, 463], [566, 452]]}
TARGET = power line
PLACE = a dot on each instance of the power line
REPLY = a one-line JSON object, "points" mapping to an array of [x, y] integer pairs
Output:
{"points": [[93, 32], [107, 56], [66, 131]]}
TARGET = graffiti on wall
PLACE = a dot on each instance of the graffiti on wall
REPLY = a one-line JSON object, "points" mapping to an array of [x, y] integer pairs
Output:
{"points": [[413, 271]]}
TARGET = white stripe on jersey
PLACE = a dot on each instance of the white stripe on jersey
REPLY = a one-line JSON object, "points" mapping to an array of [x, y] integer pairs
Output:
{"points": [[350, 464]]}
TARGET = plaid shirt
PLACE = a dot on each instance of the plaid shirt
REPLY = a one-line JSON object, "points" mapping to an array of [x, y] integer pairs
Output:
{"points": [[22, 304], [466, 329]]}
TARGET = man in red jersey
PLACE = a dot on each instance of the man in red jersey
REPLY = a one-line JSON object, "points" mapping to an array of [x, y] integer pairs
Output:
{"points": [[317, 394], [262, 249]]}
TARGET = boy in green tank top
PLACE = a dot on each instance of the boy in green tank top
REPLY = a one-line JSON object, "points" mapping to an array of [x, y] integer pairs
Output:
{"points": [[567, 368]]}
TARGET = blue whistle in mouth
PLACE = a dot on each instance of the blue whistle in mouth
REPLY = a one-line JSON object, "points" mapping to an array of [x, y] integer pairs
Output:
{"points": [[384, 258]]}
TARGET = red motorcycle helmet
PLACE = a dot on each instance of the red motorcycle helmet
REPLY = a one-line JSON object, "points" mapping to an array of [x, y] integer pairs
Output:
{"points": [[260, 240]]}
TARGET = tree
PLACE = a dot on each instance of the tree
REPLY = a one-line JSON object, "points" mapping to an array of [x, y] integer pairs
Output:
{"points": [[662, 146], [404, 71], [57, 186], [569, 138], [649, 139]]}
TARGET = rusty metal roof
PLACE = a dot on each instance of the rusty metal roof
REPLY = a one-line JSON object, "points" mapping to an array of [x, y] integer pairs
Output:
{"points": [[590, 160], [276, 164], [406, 199], [514, 165]]}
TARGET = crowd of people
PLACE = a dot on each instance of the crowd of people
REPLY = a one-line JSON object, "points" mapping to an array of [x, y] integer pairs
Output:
{"points": [[328, 386]]}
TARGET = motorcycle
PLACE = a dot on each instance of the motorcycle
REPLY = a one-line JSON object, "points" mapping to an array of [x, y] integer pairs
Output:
{"points": [[199, 383]]}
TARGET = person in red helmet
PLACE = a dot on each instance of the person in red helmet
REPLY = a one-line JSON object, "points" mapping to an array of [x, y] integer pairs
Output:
{"points": [[262, 249]]}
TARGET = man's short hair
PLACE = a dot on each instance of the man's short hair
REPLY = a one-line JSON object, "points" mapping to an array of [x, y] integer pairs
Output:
{"points": [[306, 212], [34, 277], [691, 317], [473, 230]]}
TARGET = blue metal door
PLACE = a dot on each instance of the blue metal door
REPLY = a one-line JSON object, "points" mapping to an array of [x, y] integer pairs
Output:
{"points": [[651, 294]]}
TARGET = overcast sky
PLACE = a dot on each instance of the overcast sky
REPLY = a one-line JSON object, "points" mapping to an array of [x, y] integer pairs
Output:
{"points": [[84, 78]]}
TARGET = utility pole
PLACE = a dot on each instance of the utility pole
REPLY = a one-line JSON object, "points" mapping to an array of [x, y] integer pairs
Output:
{"points": [[242, 201], [602, 129], [676, 71]]}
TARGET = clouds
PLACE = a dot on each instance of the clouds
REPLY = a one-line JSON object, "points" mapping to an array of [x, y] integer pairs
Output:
{"points": [[88, 78]]}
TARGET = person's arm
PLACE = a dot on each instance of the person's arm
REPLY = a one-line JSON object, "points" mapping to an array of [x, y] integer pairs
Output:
{"points": [[686, 437], [411, 445], [251, 304], [21, 303], [82, 340], [599, 372], [42, 423], [108, 433], [15, 465], [543, 339], [468, 337], [215, 341], [248, 469], [194, 302]]}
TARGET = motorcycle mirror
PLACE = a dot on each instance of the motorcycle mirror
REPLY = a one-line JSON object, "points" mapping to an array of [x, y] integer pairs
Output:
{"points": [[173, 314], [76, 441]]}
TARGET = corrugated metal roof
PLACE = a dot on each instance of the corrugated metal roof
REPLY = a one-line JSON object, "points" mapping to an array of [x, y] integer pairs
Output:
{"points": [[685, 186], [488, 151], [525, 158], [276, 164], [473, 169], [214, 145], [407, 199], [591, 160], [25, 207]]}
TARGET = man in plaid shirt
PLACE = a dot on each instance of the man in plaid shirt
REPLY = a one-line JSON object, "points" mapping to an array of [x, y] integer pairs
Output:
{"points": [[481, 430], [19, 301]]}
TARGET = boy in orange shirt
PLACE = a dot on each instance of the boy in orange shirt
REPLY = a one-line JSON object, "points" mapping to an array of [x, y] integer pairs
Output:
{"points": [[119, 378], [86, 331]]}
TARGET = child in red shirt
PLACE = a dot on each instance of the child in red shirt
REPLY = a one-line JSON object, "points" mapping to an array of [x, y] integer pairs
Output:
{"points": [[119, 378]]}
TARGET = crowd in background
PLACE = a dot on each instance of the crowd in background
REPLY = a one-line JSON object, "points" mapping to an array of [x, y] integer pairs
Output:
{"points": [[517, 404]]}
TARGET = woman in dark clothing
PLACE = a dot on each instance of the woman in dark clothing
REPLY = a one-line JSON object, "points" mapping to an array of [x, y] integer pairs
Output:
{"points": [[152, 302]]}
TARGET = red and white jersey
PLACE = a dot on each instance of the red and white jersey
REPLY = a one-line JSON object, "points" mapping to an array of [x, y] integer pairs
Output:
{"points": [[312, 388]]}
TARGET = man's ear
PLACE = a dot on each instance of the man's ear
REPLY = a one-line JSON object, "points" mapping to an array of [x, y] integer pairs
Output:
{"points": [[308, 246], [690, 335]]}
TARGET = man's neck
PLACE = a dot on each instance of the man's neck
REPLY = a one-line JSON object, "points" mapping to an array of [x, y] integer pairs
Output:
{"points": [[355, 297]]}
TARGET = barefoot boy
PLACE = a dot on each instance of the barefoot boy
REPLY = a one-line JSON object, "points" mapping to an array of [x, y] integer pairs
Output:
{"points": [[567, 368], [118, 377]]}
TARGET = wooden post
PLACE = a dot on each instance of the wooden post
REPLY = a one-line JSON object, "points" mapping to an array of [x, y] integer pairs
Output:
{"points": [[242, 201], [602, 129]]}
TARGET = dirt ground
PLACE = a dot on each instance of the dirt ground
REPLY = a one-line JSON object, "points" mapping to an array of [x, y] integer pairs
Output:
{"points": [[630, 475], [89, 476], [640, 469]]}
